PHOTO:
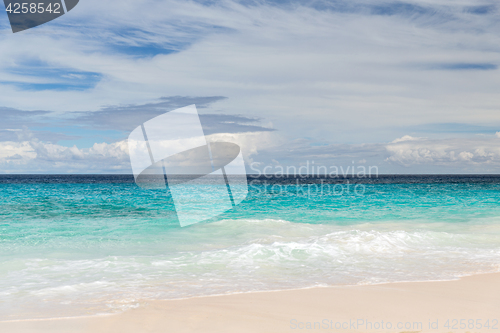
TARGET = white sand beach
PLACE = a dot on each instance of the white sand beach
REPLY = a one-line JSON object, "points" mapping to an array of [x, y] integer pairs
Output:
{"points": [[471, 304]]}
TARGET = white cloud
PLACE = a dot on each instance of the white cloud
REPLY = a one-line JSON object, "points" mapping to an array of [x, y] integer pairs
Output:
{"points": [[449, 152], [406, 138], [457, 155], [37, 156], [251, 143]]}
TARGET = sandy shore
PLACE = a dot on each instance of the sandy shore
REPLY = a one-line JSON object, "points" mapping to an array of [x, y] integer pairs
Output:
{"points": [[466, 305]]}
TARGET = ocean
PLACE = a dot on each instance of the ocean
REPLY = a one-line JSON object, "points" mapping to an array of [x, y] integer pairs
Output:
{"points": [[73, 245]]}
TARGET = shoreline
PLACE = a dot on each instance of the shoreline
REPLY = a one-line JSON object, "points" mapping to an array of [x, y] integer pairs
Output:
{"points": [[144, 302], [474, 298]]}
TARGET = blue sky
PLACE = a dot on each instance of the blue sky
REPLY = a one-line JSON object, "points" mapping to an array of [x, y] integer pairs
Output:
{"points": [[408, 86]]}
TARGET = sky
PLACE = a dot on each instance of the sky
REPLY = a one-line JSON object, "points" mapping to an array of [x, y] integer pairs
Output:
{"points": [[404, 86]]}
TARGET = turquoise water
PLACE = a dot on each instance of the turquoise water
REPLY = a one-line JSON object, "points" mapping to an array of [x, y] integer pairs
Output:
{"points": [[73, 245]]}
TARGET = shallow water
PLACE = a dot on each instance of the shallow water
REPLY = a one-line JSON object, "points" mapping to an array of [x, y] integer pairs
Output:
{"points": [[73, 245]]}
